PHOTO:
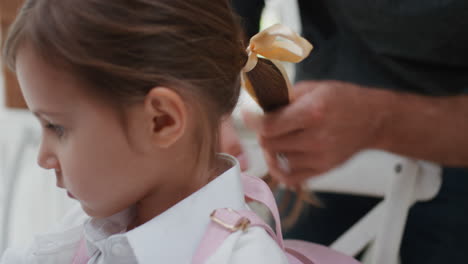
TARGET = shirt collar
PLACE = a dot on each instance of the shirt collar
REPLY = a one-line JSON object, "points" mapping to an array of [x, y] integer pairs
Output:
{"points": [[174, 235], [96, 231]]}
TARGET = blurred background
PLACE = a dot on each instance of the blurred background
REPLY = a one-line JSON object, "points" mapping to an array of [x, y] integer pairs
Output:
{"points": [[29, 201]]}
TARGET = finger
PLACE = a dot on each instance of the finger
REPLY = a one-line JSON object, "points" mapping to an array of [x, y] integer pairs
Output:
{"points": [[297, 141], [273, 165], [298, 178], [299, 161], [294, 178], [277, 123], [304, 87], [290, 176], [288, 164]]}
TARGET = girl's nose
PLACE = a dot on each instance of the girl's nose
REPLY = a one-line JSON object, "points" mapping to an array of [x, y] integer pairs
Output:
{"points": [[49, 163], [46, 159]]}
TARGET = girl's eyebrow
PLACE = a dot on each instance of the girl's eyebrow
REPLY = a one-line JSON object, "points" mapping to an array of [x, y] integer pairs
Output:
{"points": [[40, 113]]}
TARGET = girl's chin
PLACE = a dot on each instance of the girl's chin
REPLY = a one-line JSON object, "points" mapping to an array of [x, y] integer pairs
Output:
{"points": [[90, 212]]}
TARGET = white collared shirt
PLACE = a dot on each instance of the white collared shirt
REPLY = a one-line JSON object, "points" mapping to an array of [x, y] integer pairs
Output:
{"points": [[171, 237]]}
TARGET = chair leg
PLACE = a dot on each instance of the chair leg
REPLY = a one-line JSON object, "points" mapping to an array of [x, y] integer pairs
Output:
{"points": [[362, 233], [399, 199]]}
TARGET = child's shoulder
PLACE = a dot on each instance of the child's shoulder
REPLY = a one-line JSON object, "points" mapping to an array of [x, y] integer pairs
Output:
{"points": [[254, 245]]}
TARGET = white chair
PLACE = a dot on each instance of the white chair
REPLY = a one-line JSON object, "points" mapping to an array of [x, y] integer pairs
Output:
{"points": [[400, 181]]}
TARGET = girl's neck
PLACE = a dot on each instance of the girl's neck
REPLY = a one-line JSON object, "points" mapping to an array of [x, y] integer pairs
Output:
{"points": [[164, 197]]}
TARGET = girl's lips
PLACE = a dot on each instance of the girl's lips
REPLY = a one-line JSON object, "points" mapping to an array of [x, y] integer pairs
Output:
{"points": [[70, 195]]}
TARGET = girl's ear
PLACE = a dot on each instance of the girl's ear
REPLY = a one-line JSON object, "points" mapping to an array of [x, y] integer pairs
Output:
{"points": [[167, 116]]}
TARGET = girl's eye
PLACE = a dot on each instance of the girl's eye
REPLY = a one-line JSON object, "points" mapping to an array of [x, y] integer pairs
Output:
{"points": [[58, 130]]}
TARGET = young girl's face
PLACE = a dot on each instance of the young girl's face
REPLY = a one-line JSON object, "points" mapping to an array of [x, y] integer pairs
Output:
{"points": [[84, 140]]}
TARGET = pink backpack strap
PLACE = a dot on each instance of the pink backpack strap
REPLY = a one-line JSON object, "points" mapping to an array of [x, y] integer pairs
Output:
{"points": [[81, 254], [257, 190], [226, 221]]}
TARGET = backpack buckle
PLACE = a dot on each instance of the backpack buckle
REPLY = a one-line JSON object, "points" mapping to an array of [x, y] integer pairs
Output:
{"points": [[242, 223]]}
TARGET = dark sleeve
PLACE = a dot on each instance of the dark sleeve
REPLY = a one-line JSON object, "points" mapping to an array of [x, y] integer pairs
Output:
{"points": [[250, 11]]}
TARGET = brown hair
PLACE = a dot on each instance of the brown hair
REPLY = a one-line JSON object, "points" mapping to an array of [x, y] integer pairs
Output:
{"points": [[271, 96], [123, 49]]}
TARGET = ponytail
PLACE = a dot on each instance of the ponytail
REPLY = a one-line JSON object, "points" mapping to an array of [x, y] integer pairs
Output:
{"points": [[267, 83], [269, 86]]}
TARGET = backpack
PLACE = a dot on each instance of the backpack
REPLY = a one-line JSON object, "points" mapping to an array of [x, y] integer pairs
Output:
{"points": [[226, 221]]}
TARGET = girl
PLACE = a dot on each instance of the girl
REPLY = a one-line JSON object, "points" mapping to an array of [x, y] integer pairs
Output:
{"points": [[131, 95]]}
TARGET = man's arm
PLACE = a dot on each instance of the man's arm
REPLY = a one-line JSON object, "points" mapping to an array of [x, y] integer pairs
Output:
{"points": [[425, 127], [330, 121]]}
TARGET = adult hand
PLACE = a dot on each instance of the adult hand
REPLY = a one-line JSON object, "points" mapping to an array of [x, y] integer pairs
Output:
{"points": [[325, 124]]}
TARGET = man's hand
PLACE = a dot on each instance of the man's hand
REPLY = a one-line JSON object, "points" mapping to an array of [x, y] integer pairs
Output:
{"points": [[326, 123]]}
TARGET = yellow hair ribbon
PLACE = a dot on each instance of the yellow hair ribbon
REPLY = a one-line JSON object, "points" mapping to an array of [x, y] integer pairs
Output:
{"points": [[276, 42]]}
